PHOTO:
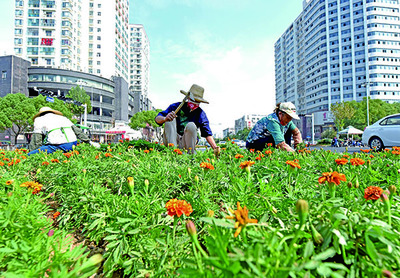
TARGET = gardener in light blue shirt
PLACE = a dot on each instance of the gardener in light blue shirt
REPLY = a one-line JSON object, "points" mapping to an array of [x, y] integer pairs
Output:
{"points": [[277, 129]]}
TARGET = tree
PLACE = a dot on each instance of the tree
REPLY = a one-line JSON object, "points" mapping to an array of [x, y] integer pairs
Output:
{"points": [[242, 134], [341, 112], [145, 119], [78, 94]]}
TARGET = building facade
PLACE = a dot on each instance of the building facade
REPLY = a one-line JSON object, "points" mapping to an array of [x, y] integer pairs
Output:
{"points": [[139, 60], [247, 121], [339, 50], [90, 36], [14, 72]]}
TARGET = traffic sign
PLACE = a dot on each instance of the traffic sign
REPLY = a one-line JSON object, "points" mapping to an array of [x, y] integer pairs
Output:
{"points": [[49, 99]]}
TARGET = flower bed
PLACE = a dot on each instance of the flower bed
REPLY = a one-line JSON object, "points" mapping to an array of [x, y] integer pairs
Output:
{"points": [[162, 212]]}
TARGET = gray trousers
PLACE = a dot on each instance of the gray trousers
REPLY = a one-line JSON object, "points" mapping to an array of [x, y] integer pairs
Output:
{"points": [[187, 141]]}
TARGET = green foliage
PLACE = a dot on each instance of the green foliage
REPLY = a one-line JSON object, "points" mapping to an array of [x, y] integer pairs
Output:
{"points": [[242, 134], [328, 133], [79, 94], [143, 119], [342, 111], [344, 235]]}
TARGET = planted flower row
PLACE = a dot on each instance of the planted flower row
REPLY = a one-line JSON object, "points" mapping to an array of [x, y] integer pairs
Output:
{"points": [[121, 197]]}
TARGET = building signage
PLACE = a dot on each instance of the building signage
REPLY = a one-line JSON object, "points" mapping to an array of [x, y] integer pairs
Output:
{"points": [[47, 42], [49, 99]]}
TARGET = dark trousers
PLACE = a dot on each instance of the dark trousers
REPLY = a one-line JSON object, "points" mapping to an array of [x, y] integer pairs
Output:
{"points": [[260, 144]]}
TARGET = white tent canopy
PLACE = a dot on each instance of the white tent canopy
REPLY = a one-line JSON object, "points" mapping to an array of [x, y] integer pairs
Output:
{"points": [[350, 130]]}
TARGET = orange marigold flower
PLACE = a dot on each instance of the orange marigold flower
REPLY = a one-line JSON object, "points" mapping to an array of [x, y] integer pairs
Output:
{"points": [[45, 163], [6, 159], [207, 165], [23, 156], [332, 177], [108, 155], [258, 158], [396, 152], [68, 155], [341, 161], [371, 156], [178, 151], [396, 148], [146, 151], [120, 140], [170, 145], [241, 218], [178, 207], [9, 182], [373, 193], [365, 151], [246, 164], [96, 157], [269, 145], [356, 161], [238, 156], [269, 152], [346, 156], [252, 150], [55, 160], [293, 164], [1, 163], [56, 214], [32, 185]]}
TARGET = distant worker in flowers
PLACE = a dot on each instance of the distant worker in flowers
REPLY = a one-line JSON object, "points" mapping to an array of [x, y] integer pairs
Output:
{"points": [[276, 128], [182, 120], [52, 131]]}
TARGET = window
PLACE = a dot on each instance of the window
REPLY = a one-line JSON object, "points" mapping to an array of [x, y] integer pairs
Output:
{"points": [[4, 74]]}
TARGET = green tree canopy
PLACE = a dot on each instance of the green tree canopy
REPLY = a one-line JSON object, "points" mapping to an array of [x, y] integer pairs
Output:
{"points": [[342, 112], [144, 119], [79, 94]]}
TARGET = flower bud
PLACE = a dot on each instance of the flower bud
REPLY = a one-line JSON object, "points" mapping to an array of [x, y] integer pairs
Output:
{"points": [[274, 210], [84, 171], [191, 228], [146, 182], [302, 210], [392, 189], [131, 182], [357, 184], [51, 233], [316, 235], [38, 171], [349, 184], [386, 273], [9, 194], [189, 171], [196, 178], [210, 213]]}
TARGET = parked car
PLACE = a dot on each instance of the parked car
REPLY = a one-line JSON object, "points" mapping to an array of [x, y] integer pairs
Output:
{"points": [[240, 143], [383, 133]]}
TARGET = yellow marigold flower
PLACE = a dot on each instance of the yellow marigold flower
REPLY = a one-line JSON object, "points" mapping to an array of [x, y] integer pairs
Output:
{"points": [[246, 164], [9, 182], [241, 218]]}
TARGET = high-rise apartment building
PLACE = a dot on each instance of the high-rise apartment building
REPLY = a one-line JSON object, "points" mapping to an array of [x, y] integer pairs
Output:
{"points": [[139, 61], [90, 36], [339, 50]]}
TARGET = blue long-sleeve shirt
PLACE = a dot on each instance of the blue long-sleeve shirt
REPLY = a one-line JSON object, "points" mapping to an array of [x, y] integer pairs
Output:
{"points": [[197, 116]]}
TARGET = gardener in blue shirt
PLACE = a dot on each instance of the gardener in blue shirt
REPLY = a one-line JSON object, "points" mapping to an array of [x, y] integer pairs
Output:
{"points": [[277, 129], [182, 120]]}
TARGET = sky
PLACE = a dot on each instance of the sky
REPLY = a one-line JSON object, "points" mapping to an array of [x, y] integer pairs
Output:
{"points": [[225, 46]]}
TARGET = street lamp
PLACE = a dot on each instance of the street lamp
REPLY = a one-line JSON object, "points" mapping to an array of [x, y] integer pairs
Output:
{"points": [[367, 85]]}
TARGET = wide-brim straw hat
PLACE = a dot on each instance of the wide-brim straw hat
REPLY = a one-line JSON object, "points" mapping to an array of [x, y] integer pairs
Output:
{"points": [[46, 109], [196, 93]]}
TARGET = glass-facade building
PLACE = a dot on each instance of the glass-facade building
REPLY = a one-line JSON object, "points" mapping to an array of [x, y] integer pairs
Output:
{"points": [[339, 50]]}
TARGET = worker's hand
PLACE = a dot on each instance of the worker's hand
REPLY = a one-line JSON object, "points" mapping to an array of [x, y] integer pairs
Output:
{"points": [[170, 116], [94, 144], [217, 151]]}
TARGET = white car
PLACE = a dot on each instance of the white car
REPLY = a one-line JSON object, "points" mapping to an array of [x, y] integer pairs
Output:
{"points": [[240, 143], [383, 133]]}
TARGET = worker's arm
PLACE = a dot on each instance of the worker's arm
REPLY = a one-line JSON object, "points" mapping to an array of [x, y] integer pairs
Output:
{"points": [[161, 119], [80, 134], [36, 141]]}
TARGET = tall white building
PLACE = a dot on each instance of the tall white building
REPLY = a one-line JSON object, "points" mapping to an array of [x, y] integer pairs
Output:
{"points": [[139, 62], [339, 50], [89, 35], [247, 121]]}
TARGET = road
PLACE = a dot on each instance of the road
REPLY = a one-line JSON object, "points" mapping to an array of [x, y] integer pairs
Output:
{"points": [[338, 149]]}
